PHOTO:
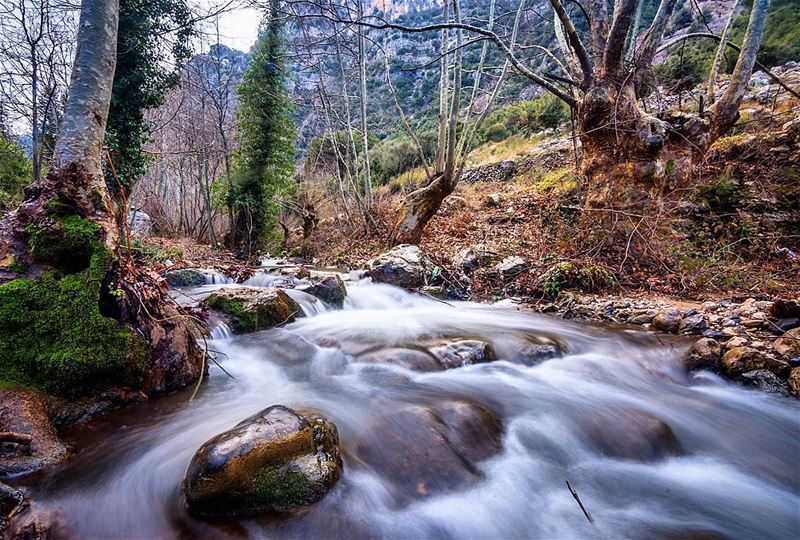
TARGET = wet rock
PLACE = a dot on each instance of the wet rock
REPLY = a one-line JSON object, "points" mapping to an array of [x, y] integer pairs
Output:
{"points": [[248, 310], [734, 342], [789, 344], [705, 353], [511, 267], [793, 382], [278, 460], [531, 354], [474, 256], [302, 273], [464, 352], [29, 441], [329, 289], [740, 359], [630, 434], [778, 366], [765, 380], [413, 359], [402, 266], [667, 321], [693, 324], [428, 450], [187, 277]]}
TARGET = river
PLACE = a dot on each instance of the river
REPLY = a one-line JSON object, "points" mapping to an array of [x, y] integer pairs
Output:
{"points": [[732, 470]]}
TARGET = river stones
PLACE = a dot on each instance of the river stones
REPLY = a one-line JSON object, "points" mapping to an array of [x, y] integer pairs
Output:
{"points": [[426, 450], [705, 353], [433, 356], [789, 344], [402, 266], [740, 359], [463, 352], [329, 289], [667, 321], [250, 309], [278, 460], [629, 434], [12, 501]]}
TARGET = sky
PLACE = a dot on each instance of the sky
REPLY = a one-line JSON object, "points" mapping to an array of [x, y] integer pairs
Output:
{"points": [[238, 28]]}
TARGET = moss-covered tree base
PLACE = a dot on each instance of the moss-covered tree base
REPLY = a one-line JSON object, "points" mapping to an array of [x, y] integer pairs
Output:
{"points": [[53, 336]]}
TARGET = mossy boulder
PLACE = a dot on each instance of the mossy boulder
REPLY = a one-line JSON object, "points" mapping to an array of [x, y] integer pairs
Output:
{"points": [[53, 335], [186, 277], [251, 309], [278, 460]]}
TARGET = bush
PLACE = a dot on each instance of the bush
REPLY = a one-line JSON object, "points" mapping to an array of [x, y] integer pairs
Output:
{"points": [[497, 132], [569, 275]]}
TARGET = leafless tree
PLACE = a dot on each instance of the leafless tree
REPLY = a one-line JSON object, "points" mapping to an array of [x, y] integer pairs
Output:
{"points": [[36, 48]]}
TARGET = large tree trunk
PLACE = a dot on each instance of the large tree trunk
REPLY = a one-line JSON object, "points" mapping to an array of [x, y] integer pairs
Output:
{"points": [[75, 182]]}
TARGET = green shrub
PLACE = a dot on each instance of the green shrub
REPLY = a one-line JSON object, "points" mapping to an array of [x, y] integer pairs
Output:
{"points": [[568, 275], [497, 132]]}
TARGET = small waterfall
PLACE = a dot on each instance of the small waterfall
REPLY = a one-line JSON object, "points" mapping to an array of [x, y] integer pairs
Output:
{"points": [[311, 305], [215, 278], [221, 331]]}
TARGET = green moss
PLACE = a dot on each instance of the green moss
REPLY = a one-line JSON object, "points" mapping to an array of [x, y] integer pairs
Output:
{"points": [[53, 336], [67, 245], [242, 320], [17, 266], [282, 489]]}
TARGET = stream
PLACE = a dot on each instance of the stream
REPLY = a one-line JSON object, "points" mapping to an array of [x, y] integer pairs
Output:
{"points": [[724, 461]]}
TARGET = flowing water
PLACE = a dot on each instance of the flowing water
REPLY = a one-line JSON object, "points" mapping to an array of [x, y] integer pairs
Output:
{"points": [[736, 473]]}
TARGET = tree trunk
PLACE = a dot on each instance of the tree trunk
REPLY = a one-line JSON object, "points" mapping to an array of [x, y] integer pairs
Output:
{"points": [[418, 209]]}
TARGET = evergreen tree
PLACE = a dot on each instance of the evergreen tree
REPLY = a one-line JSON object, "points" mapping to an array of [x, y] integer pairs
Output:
{"points": [[265, 161], [153, 45]]}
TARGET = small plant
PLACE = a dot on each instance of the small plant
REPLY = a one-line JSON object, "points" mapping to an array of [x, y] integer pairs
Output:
{"points": [[568, 275]]}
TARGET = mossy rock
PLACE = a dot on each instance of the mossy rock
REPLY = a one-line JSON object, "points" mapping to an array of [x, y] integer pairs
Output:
{"points": [[251, 309], [278, 460], [53, 335], [187, 277]]}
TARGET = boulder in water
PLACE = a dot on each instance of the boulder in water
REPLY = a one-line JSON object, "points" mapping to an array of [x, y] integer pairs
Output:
{"points": [[248, 310], [463, 352], [630, 434], [411, 359], [12, 501], [765, 380], [402, 266], [427, 450], [329, 289], [186, 277], [278, 460]]}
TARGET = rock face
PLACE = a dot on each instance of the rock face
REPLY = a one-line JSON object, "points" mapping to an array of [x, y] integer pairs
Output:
{"points": [[429, 450], [29, 441], [248, 310], [402, 266], [329, 289], [278, 460]]}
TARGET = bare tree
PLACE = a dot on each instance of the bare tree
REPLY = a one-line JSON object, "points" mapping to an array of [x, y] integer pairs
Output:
{"points": [[36, 49]]}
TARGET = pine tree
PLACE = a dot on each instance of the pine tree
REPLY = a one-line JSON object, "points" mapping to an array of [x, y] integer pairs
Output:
{"points": [[265, 162]]}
